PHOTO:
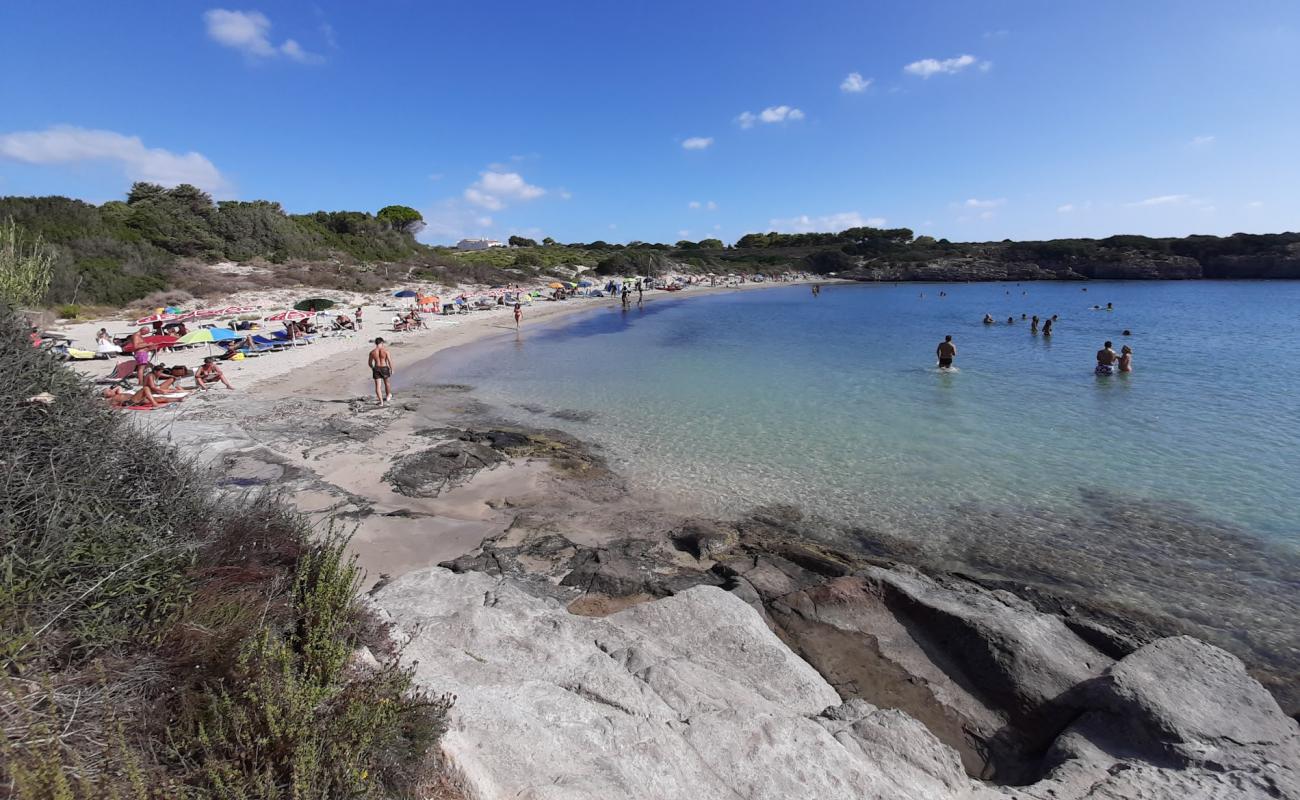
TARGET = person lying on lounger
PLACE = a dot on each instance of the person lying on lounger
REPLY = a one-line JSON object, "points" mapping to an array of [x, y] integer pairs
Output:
{"points": [[143, 397], [210, 374]]}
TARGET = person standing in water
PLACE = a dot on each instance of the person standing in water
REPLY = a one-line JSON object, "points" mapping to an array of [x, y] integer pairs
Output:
{"points": [[381, 369], [1033, 324], [1047, 326], [1106, 358], [1126, 359], [519, 314], [946, 351]]}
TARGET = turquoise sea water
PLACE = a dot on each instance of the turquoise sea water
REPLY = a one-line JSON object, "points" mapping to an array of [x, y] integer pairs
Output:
{"points": [[1023, 462], [835, 402]]}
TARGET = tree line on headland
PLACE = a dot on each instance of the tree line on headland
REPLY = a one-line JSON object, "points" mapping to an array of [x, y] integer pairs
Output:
{"points": [[124, 250]]}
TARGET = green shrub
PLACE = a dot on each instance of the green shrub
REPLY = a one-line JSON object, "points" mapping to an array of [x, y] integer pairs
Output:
{"points": [[158, 640]]}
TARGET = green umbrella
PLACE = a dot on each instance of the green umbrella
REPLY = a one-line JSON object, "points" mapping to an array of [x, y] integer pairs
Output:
{"points": [[314, 304], [209, 335]]}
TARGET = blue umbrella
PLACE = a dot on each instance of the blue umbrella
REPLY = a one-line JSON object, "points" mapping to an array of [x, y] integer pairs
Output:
{"points": [[405, 293], [586, 283]]}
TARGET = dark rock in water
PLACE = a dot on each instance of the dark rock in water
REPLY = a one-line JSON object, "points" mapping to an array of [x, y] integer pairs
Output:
{"points": [[705, 539], [504, 440], [574, 415], [429, 472]]}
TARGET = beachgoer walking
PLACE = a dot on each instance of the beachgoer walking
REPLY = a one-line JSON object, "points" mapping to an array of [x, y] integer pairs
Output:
{"points": [[1106, 358], [139, 352], [357, 316], [640, 293], [626, 296], [946, 351], [519, 314], [381, 369], [1126, 359]]}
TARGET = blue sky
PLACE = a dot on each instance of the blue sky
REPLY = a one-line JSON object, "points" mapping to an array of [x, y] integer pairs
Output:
{"points": [[666, 120]]}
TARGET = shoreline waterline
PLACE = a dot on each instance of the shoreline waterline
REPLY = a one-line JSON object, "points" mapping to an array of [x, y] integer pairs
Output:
{"points": [[1130, 548]]}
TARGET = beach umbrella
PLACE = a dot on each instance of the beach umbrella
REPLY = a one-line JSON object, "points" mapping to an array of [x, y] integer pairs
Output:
{"points": [[152, 318], [314, 304], [208, 335], [153, 343], [406, 293], [585, 283], [289, 316], [555, 285]]}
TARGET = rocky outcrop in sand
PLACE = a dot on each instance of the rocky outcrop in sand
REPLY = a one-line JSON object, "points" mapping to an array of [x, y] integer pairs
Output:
{"points": [[694, 696]]}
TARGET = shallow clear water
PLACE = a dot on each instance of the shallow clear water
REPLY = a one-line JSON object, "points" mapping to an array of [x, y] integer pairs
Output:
{"points": [[1167, 496], [834, 403]]}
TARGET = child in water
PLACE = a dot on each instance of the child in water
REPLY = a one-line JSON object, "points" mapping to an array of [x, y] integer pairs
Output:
{"points": [[1126, 359]]}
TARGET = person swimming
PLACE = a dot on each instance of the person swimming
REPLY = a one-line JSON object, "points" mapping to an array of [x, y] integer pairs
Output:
{"points": [[1011, 320], [988, 319], [1106, 359]]}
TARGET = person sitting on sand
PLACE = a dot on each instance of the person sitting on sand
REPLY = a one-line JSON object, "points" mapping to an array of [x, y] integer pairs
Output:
{"points": [[158, 381], [210, 373], [1106, 358], [1126, 359], [946, 352], [381, 369], [142, 397], [988, 319]]}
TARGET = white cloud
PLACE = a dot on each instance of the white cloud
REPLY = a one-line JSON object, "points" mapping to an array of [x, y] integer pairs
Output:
{"points": [[948, 66], [682, 234], [1255, 204], [769, 115], [1162, 200], [564, 194], [494, 190], [693, 204], [830, 223], [249, 32], [64, 144], [1201, 141], [696, 204], [450, 219], [1065, 209], [998, 34], [697, 143], [977, 203], [855, 83]]}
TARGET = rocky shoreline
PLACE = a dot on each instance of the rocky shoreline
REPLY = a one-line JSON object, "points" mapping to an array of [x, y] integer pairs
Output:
{"points": [[933, 684]]}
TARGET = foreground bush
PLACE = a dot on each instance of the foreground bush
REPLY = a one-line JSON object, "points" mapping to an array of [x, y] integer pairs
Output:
{"points": [[157, 640]]}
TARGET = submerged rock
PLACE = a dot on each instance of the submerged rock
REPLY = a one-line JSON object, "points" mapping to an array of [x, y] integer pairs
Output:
{"points": [[430, 472]]}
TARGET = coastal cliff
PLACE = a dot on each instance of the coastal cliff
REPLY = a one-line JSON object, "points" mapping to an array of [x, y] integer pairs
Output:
{"points": [[1003, 264]]}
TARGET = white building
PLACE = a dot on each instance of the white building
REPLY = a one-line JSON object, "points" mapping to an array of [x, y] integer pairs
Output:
{"points": [[478, 244]]}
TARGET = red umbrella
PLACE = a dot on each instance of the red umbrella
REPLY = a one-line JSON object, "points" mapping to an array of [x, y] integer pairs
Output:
{"points": [[290, 316], [153, 343], [232, 310]]}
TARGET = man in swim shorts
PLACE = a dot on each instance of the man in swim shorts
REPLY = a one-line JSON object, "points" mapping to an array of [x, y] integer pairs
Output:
{"points": [[1106, 358], [946, 351], [381, 369]]}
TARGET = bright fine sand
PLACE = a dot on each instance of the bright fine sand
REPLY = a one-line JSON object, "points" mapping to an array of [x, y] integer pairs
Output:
{"points": [[305, 422]]}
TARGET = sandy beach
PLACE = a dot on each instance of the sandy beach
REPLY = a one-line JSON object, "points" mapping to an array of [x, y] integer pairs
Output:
{"points": [[304, 422]]}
